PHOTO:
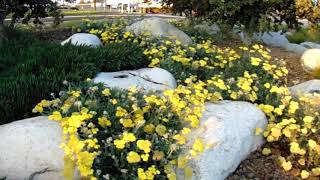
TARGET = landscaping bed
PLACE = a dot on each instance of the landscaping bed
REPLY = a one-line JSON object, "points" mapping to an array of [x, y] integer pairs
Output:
{"points": [[128, 126]]}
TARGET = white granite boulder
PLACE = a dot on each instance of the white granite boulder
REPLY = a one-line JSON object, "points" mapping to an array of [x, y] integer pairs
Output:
{"points": [[159, 27], [309, 87], [30, 148], [83, 39], [230, 126], [310, 62], [149, 79]]}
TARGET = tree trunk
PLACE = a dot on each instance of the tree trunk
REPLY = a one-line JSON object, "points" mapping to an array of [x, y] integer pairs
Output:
{"points": [[2, 32]]}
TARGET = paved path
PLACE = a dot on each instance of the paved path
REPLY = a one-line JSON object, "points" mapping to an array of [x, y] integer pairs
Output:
{"points": [[107, 15]]}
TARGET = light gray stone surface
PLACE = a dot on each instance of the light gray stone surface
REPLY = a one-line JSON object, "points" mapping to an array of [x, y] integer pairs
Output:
{"points": [[159, 27], [149, 79], [230, 126], [309, 87], [83, 39], [310, 45], [30, 146]]}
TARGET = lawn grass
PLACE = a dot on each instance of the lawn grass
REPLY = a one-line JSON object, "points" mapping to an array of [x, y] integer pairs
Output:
{"points": [[31, 70]]}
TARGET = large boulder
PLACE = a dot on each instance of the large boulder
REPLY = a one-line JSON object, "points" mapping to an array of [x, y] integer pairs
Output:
{"points": [[83, 39], [230, 127], [159, 27], [310, 45], [30, 148], [274, 39], [309, 87], [295, 48], [149, 79], [310, 62]]}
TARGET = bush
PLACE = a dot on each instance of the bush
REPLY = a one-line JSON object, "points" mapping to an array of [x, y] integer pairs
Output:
{"points": [[253, 15], [125, 134], [308, 9], [31, 70], [305, 34]]}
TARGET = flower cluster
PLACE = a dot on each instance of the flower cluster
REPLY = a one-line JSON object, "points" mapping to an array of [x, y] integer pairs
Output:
{"points": [[121, 134], [127, 134]]}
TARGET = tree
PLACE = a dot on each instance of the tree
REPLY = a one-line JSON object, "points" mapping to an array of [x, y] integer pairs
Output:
{"points": [[27, 10], [252, 15], [309, 9]]}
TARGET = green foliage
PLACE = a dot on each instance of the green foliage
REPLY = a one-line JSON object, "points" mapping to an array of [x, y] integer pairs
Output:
{"points": [[30, 70], [28, 10], [308, 9], [305, 34], [253, 15]]}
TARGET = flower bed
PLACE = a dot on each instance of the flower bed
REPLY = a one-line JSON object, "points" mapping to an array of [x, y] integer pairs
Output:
{"points": [[112, 133]]}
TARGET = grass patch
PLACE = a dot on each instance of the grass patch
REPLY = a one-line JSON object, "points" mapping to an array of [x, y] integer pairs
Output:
{"points": [[31, 70]]}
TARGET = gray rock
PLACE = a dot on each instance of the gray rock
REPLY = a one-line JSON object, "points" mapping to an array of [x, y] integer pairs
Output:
{"points": [[30, 146], [310, 62], [309, 87], [230, 126], [83, 39], [295, 48], [149, 79], [310, 45], [274, 39], [159, 27]]}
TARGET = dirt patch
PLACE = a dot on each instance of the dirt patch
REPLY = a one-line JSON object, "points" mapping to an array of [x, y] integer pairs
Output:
{"points": [[296, 73], [260, 167]]}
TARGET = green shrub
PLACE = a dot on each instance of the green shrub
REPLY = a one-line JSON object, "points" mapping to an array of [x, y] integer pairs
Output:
{"points": [[253, 15], [30, 70], [305, 34]]}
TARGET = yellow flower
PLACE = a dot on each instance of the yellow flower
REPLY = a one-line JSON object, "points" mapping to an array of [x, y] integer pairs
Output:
{"points": [[266, 151], [104, 122], [120, 144], [186, 131], [258, 131], [56, 116], [133, 157], [180, 139], [308, 119], [145, 157], [121, 112], [149, 128], [304, 174], [144, 145], [312, 144], [127, 123], [158, 155], [287, 166], [106, 92], [129, 137], [114, 101], [161, 130]]}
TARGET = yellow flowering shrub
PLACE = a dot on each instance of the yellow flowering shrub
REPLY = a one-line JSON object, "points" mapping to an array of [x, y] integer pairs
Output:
{"points": [[125, 134]]}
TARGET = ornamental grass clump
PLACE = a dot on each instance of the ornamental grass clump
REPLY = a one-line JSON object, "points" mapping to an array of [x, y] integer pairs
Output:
{"points": [[119, 134]]}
